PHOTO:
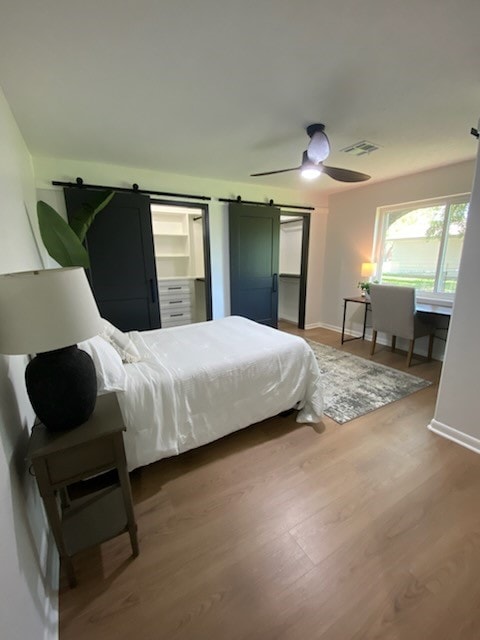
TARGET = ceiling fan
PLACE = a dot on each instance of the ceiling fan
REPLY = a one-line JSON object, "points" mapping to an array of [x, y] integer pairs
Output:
{"points": [[312, 160]]}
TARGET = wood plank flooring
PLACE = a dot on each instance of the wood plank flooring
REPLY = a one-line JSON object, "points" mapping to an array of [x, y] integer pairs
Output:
{"points": [[366, 530]]}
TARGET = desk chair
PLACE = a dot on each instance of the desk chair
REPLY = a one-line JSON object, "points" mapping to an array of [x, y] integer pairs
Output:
{"points": [[393, 311]]}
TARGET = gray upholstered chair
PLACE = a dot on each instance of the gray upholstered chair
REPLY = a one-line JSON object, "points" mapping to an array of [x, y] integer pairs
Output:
{"points": [[393, 312]]}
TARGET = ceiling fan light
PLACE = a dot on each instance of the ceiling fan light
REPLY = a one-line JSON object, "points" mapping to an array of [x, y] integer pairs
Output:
{"points": [[310, 173]]}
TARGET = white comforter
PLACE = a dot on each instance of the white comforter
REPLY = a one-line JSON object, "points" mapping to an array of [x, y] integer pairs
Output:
{"points": [[199, 382]]}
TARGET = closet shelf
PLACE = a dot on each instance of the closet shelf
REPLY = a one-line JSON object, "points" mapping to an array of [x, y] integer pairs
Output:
{"points": [[172, 255], [172, 235]]}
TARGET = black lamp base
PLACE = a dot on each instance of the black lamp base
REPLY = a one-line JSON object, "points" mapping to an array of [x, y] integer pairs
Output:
{"points": [[62, 387]]}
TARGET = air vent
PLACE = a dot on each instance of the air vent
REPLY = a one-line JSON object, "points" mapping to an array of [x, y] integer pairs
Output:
{"points": [[360, 148]]}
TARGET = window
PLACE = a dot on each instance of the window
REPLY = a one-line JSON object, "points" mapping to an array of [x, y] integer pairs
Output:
{"points": [[420, 244]]}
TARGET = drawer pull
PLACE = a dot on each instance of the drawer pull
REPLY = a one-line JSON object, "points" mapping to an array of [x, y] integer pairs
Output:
{"points": [[175, 301], [174, 288], [176, 315]]}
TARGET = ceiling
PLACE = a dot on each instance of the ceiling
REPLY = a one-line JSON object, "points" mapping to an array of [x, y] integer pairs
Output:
{"points": [[225, 88]]}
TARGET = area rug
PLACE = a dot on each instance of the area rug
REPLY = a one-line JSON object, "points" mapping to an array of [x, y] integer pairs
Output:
{"points": [[354, 386]]}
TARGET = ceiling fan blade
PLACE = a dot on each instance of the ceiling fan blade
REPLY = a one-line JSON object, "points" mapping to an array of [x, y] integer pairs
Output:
{"points": [[269, 173], [344, 175]]}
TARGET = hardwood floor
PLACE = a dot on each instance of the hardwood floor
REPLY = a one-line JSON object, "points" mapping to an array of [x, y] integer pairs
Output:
{"points": [[366, 530]]}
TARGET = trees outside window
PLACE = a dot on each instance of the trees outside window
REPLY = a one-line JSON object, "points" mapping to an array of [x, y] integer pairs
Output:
{"points": [[420, 244]]}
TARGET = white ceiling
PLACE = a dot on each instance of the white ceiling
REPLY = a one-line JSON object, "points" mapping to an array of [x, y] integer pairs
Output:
{"points": [[224, 88]]}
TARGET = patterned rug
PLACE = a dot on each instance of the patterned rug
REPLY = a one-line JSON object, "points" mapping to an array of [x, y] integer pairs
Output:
{"points": [[354, 386]]}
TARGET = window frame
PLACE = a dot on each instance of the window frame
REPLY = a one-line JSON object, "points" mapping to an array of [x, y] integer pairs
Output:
{"points": [[380, 237]]}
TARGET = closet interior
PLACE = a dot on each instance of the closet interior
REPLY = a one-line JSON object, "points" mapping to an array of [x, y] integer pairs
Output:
{"points": [[179, 257], [290, 261]]}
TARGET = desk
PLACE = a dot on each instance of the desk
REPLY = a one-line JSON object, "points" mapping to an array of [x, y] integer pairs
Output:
{"points": [[435, 309], [359, 300], [439, 310], [438, 315]]}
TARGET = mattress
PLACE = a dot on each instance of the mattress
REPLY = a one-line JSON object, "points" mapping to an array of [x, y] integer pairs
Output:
{"points": [[199, 382]]}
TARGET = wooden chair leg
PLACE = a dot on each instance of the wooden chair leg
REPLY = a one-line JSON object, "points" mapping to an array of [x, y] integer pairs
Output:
{"points": [[374, 341], [394, 342], [430, 345], [410, 352]]}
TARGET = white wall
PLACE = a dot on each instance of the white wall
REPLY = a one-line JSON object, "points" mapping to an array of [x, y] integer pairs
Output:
{"points": [[457, 411], [48, 169], [28, 607], [290, 258], [291, 247], [351, 224], [314, 312]]}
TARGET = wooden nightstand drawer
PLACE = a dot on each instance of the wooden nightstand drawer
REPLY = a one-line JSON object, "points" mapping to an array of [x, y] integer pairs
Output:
{"points": [[81, 462]]}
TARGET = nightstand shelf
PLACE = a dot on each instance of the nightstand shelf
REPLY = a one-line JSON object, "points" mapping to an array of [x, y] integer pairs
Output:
{"points": [[63, 459], [94, 519]]}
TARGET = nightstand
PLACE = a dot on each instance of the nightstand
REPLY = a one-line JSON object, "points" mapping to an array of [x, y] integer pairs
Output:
{"points": [[63, 458]]}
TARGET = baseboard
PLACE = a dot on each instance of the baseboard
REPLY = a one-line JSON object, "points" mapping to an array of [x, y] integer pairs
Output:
{"points": [[324, 325], [51, 613], [332, 327], [454, 435], [314, 325], [51, 600]]}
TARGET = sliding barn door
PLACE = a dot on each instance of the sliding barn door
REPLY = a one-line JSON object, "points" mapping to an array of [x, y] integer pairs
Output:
{"points": [[254, 246], [122, 270]]}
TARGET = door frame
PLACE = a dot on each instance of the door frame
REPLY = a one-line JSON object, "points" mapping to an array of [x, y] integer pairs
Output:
{"points": [[206, 244], [302, 302]]}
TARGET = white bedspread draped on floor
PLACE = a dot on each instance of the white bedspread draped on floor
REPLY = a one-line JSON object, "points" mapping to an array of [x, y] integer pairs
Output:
{"points": [[199, 382]]}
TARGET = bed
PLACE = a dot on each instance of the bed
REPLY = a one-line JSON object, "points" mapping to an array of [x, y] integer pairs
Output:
{"points": [[193, 384]]}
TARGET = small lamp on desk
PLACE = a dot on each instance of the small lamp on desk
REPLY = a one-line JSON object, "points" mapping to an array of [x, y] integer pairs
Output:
{"points": [[47, 312], [367, 271]]}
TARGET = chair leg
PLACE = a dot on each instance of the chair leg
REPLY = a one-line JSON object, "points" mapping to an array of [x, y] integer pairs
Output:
{"points": [[410, 352], [430, 345], [394, 342], [374, 341]]}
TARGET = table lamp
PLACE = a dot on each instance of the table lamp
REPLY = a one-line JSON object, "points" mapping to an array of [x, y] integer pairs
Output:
{"points": [[46, 313], [368, 269]]}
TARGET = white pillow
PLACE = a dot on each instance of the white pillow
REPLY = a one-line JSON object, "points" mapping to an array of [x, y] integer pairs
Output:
{"points": [[121, 342], [111, 374]]}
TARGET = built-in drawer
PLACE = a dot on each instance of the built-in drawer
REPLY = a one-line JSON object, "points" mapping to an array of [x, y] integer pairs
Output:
{"points": [[175, 304], [175, 298], [176, 318], [173, 287]]}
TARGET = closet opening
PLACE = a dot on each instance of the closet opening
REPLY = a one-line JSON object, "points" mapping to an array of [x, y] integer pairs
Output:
{"points": [[182, 258], [293, 260]]}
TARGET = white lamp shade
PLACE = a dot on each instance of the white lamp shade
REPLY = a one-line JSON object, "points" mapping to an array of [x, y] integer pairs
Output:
{"points": [[46, 310], [319, 147], [368, 269]]}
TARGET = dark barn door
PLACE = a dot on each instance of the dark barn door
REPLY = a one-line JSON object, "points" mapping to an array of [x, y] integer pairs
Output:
{"points": [[254, 245], [122, 270]]}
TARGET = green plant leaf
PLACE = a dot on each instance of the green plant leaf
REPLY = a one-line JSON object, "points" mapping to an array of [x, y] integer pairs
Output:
{"points": [[61, 242], [81, 220]]}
